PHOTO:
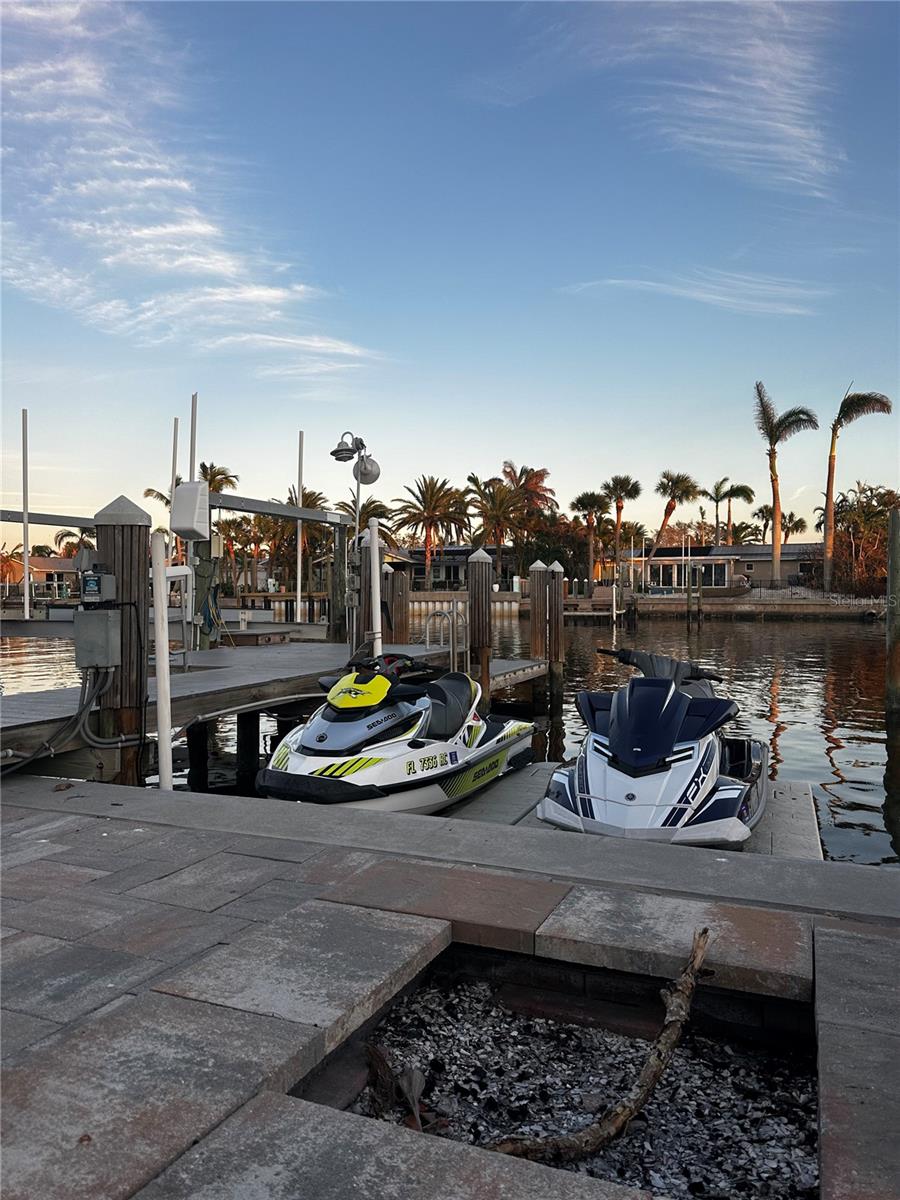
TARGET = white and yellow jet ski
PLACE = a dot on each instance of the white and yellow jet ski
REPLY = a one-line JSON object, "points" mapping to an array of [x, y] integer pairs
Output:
{"points": [[388, 742]]}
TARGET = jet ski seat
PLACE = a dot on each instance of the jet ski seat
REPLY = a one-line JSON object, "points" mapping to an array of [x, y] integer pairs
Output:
{"points": [[451, 698]]}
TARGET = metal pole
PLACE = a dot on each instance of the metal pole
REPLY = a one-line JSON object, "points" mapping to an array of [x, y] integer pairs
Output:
{"points": [[161, 635], [375, 579], [26, 563], [193, 436], [299, 527], [172, 490]]}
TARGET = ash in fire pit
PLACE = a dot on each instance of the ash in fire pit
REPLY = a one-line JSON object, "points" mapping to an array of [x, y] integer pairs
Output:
{"points": [[723, 1122]]}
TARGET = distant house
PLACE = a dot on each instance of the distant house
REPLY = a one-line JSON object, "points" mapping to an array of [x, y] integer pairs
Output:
{"points": [[726, 566], [448, 566], [53, 577]]}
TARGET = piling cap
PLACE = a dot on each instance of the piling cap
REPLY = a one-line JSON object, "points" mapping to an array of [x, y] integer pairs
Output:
{"points": [[122, 511], [480, 556], [555, 566], [537, 565]]}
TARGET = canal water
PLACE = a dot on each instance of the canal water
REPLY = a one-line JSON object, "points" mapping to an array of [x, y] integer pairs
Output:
{"points": [[813, 691]]}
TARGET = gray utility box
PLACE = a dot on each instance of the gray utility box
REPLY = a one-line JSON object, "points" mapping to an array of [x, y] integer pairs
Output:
{"points": [[98, 637]]}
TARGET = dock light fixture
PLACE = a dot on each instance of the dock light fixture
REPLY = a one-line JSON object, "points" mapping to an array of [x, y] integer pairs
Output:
{"points": [[365, 471]]}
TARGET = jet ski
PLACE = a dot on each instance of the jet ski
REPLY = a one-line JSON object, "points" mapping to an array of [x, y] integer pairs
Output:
{"points": [[394, 738], [656, 764]]}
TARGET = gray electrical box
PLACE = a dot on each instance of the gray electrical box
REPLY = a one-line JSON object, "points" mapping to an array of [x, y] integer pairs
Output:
{"points": [[98, 637]]}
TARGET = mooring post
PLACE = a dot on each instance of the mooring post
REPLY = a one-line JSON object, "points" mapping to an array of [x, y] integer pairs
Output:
{"points": [[689, 596], [247, 758], [555, 637], [198, 756], [123, 547], [400, 605], [537, 591], [479, 570], [337, 616], [892, 615]]}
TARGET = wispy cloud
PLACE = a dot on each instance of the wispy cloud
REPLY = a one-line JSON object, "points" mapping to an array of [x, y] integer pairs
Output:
{"points": [[106, 221], [751, 294], [741, 87]]}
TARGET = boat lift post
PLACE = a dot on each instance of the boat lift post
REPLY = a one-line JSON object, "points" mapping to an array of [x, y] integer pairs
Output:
{"points": [[161, 640], [26, 564]]}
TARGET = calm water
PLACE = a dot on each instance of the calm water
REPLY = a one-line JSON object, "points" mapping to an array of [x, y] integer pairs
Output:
{"points": [[814, 692]]}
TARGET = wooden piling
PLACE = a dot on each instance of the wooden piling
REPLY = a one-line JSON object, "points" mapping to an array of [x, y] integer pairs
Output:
{"points": [[247, 752], [479, 570], [555, 637], [123, 547], [537, 591], [198, 757], [892, 615], [395, 583], [337, 615]]}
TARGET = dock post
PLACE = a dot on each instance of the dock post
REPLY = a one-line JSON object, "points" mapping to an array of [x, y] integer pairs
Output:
{"points": [[537, 591], [892, 615], [478, 574], [198, 756], [555, 637], [247, 752], [400, 606], [123, 547], [337, 616], [364, 612], [161, 655], [689, 596]]}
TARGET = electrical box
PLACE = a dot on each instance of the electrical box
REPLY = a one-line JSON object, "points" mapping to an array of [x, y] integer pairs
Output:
{"points": [[98, 637], [190, 511], [97, 587]]}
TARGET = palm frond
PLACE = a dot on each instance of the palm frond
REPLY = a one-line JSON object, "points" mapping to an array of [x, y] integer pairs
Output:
{"points": [[766, 417], [794, 420], [861, 404]]}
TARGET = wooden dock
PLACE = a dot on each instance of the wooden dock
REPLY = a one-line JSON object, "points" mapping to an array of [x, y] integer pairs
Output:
{"points": [[788, 828], [227, 680]]}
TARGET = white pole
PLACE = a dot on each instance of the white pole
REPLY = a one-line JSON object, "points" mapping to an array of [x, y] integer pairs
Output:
{"points": [[631, 565], [299, 527], [161, 634], [375, 574], [26, 564], [174, 476], [193, 436]]}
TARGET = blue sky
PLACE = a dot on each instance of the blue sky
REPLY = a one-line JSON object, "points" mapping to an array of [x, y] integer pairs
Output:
{"points": [[571, 235]]}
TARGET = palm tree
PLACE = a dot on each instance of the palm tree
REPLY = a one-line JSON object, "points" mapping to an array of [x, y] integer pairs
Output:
{"points": [[532, 483], [853, 406], [617, 490], [232, 531], [9, 561], [41, 551], [370, 507], [433, 510], [776, 429], [745, 534], [220, 479], [678, 488], [716, 494], [791, 524], [592, 506], [763, 514], [499, 507], [69, 542], [737, 491]]}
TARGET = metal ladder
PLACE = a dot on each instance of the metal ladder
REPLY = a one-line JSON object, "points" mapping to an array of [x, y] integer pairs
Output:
{"points": [[453, 620]]}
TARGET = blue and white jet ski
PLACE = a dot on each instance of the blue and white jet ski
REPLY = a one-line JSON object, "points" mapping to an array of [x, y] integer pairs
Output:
{"points": [[656, 765]]}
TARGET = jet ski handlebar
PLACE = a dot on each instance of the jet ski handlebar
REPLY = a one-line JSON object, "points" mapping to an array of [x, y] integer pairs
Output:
{"points": [[646, 663]]}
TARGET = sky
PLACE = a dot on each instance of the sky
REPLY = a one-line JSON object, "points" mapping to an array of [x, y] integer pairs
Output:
{"points": [[571, 235]]}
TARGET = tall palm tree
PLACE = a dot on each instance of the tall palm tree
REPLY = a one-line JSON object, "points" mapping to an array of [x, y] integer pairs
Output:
{"points": [[776, 429], [592, 506], [791, 524], [617, 490], [232, 531], [763, 514], [532, 483], [717, 494], [677, 488], [70, 541], [853, 406], [499, 507], [432, 509], [736, 491], [370, 507]]}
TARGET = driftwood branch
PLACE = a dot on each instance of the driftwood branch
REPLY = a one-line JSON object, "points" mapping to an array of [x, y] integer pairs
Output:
{"points": [[569, 1147]]}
